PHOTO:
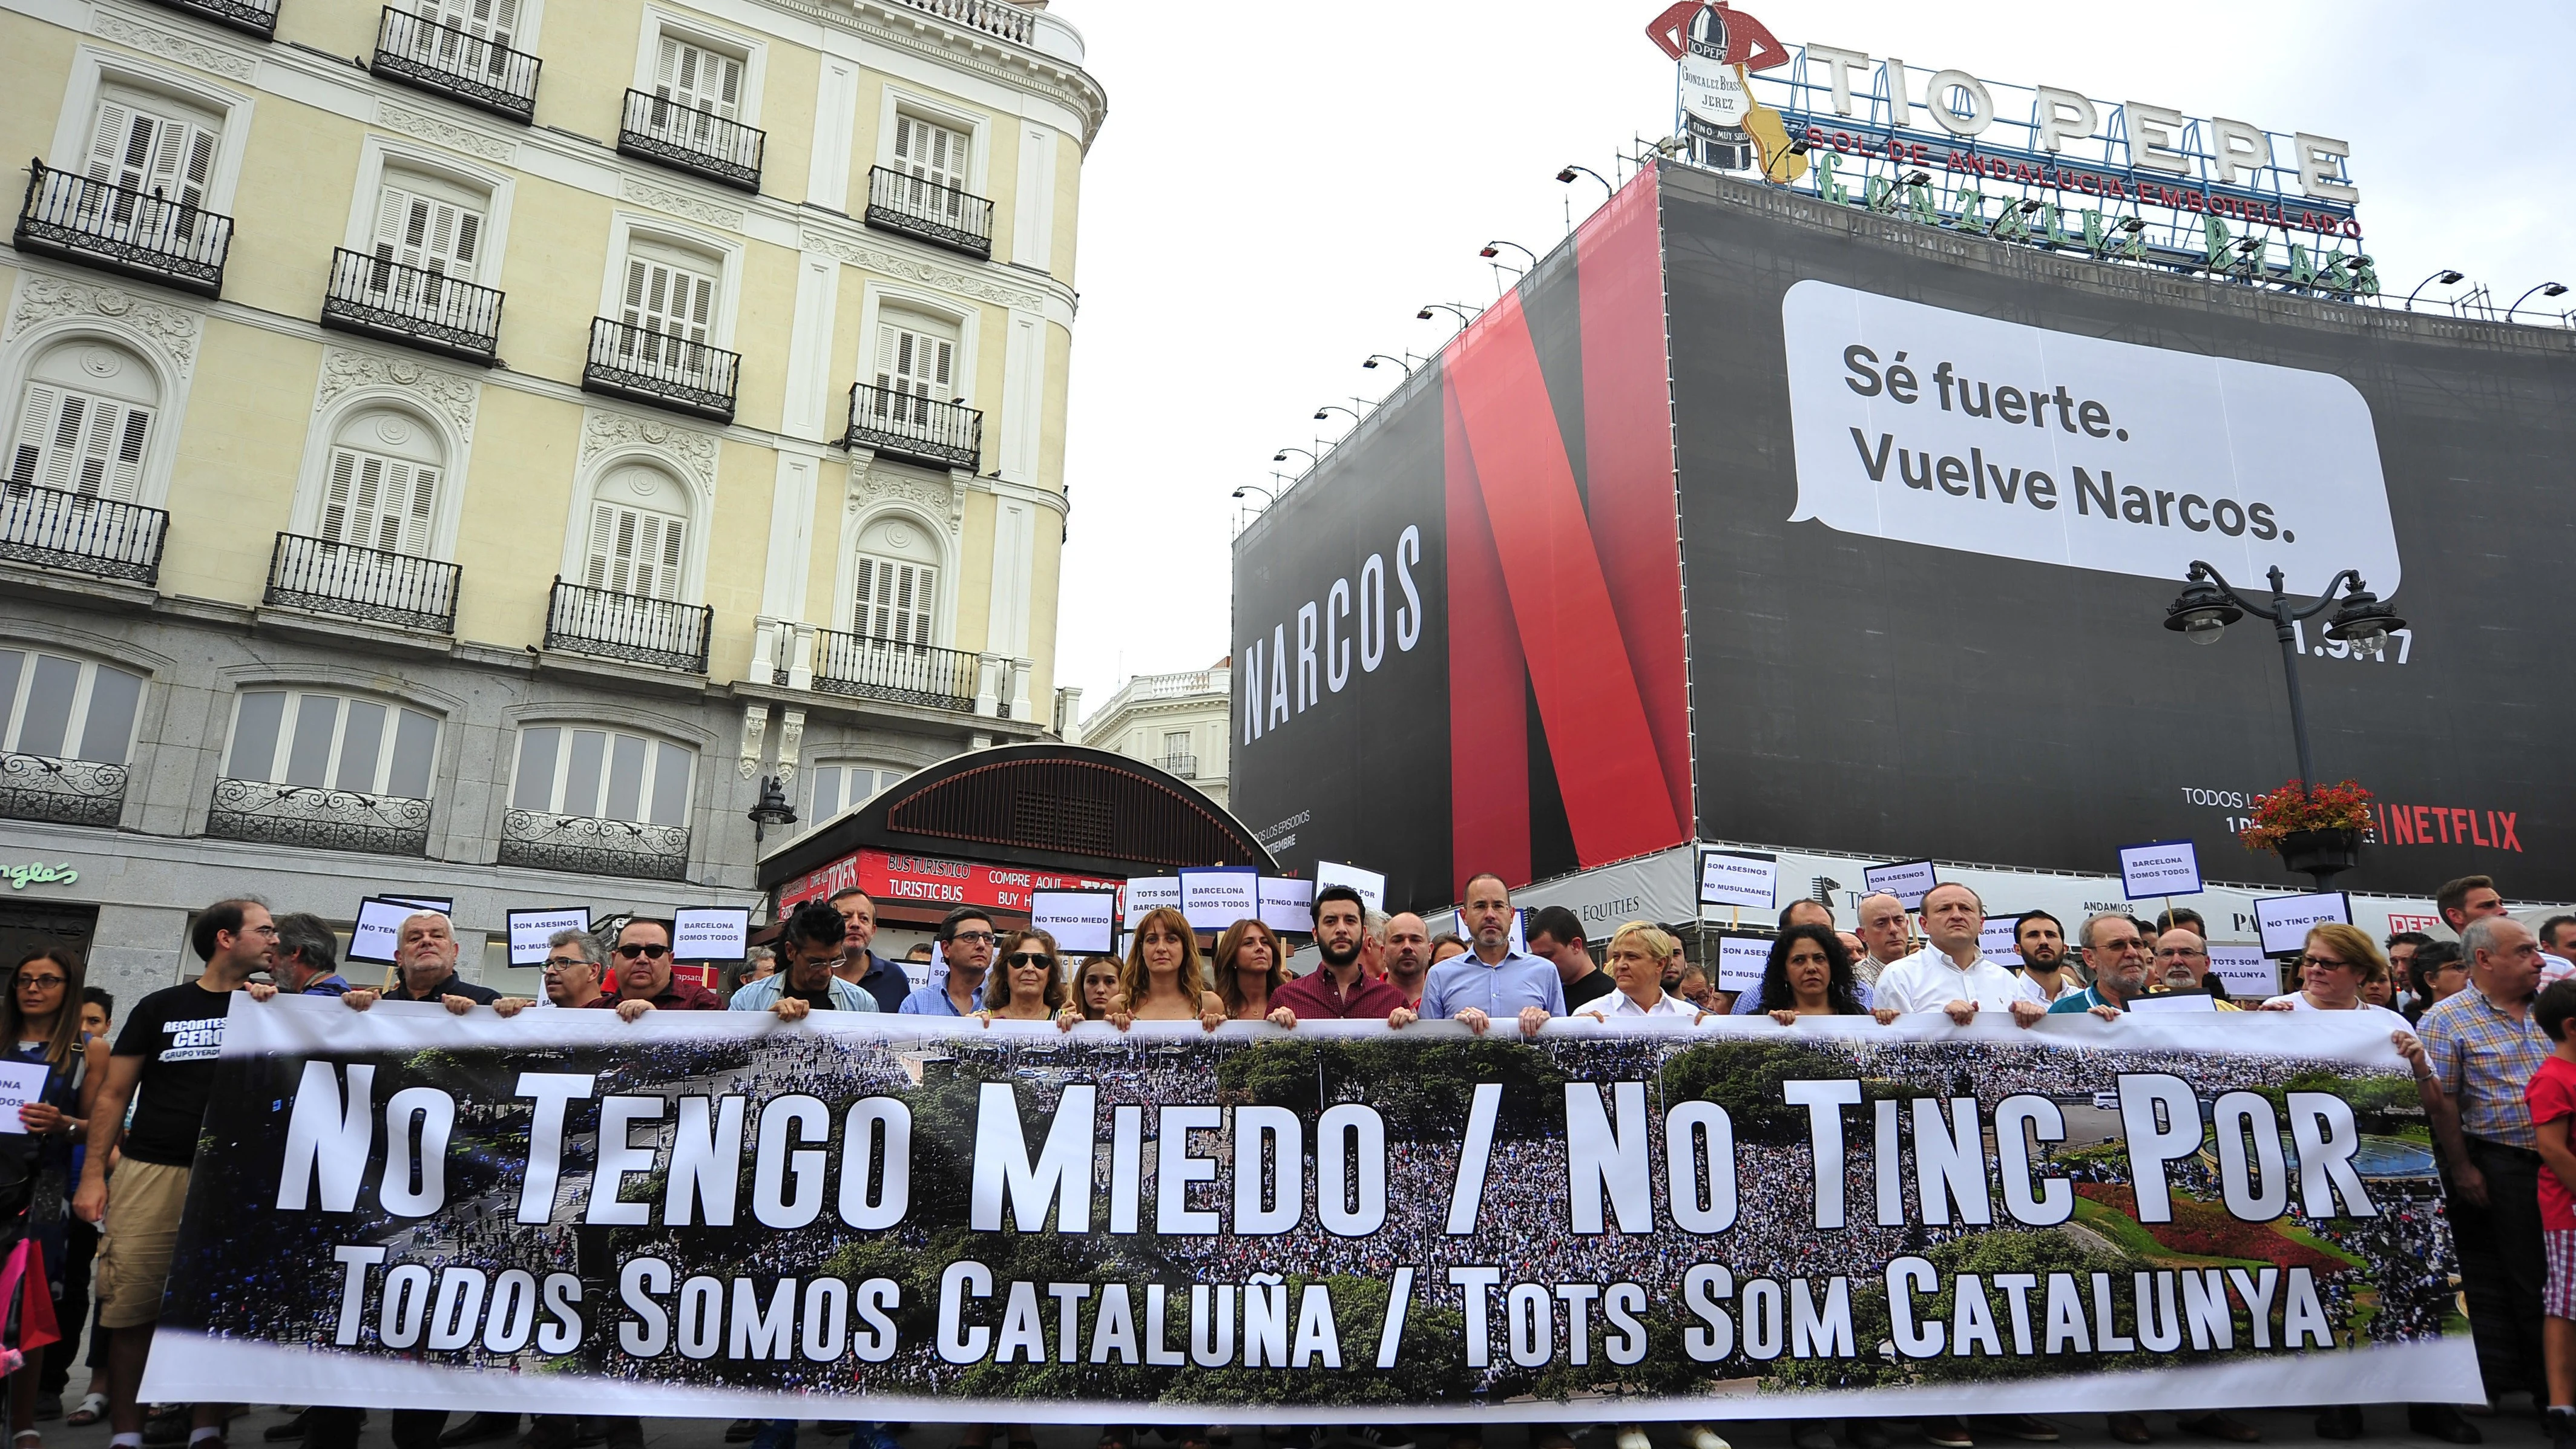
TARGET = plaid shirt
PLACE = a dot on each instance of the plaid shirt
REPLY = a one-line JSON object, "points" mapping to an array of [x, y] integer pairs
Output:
{"points": [[2484, 1057]]}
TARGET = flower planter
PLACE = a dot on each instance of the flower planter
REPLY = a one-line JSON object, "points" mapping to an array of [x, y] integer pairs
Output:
{"points": [[2320, 853]]}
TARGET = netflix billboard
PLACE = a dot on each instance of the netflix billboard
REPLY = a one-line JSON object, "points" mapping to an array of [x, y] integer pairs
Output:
{"points": [[1755, 518]]}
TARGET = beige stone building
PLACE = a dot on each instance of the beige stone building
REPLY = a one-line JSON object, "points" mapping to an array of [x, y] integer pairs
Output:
{"points": [[461, 448], [1174, 722]]}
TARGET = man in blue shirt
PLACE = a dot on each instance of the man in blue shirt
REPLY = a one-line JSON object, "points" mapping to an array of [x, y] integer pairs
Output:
{"points": [[1492, 980], [966, 944]]}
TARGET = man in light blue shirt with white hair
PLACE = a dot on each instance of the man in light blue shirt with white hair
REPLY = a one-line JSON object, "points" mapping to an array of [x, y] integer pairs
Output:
{"points": [[1492, 980]]}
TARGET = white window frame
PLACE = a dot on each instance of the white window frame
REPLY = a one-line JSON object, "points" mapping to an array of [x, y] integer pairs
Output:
{"points": [[966, 317], [499, 188], [160, 444], [525, 38], [313, 479], [754, 51], [855, 523], [285, 744], [845, 765], [94, 70], [13, 709], [625, 227], [922, 105], [693, 545], [653, 743]]}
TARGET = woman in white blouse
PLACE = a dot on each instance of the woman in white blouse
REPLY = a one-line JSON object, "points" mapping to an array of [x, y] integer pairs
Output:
{"points": [[1639, 952], [2336, 964]]}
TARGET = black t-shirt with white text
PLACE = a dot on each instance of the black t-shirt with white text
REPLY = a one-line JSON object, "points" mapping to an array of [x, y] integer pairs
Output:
{"points": [[178, 1031]]}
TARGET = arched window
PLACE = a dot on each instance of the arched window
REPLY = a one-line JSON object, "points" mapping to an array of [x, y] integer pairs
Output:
{"points": [[896, 594], [381, 488], [86, 420], [639, 519]]}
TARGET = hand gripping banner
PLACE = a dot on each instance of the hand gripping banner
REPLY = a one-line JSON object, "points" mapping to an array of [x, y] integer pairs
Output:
{"points": [[912, 1219]]}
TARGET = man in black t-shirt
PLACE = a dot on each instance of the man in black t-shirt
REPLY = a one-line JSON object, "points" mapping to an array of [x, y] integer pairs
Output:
{"points": [[1556, 935], [168, 1050]]}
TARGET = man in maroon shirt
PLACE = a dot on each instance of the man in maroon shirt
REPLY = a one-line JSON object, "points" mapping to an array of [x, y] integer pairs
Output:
{"points": [[1339, 989], [640, 967]]}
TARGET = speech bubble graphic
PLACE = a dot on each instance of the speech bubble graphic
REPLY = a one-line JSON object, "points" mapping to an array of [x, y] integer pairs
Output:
{"points": [[1930, 426]]}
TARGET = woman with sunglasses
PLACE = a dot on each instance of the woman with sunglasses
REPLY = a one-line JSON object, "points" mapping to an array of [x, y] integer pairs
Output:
{"points": [[1096, 988], [41, 1022], [1025, 984], [1161, 981], [1250, 969]]}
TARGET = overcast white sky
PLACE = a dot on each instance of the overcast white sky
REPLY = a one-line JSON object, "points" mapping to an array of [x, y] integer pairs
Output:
{"points": [[1279, 187]]}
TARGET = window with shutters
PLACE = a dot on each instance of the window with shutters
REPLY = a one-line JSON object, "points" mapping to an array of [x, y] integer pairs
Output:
{"points": [[668, 301], [638, 544], [895, 590], [494, 20], [430, 224], [699, 78], [381, 487], [65, 708], [332, 742], [932, 153], [602, 774], [161, 152], [85, 422], [916, 366]]}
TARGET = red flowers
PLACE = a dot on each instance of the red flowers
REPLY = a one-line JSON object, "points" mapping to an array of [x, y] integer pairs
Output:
{"points": [[2295, 807]]}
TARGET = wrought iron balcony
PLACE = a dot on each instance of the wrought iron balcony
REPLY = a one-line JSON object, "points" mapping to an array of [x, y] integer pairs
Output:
{"points": [[251, 17], [584, 620], [318, 817], [81, 532], [363, 583], [941, 215], [907, 425], [688, 139], [382, 298], [66, 792], [655, 367], [890, 669], [121, 229], [590, 845], [993, 17], [1185, 767], [457, 64]]}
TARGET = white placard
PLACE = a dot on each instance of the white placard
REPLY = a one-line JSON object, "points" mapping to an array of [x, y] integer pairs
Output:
{"points": [[2160, 868], [1995, 941], [2165, 1001], [20, 1083], [1519, 945], [2245, 970], [1370, 884], [1288, 904], [2283, 921], [2019, 442], [710, 933], [1739, 878], [1907, 880], [1151, 893], [530, 928], [444, 905], [1741, 960], [379, 929], [1215, 897], [1085, 921]]}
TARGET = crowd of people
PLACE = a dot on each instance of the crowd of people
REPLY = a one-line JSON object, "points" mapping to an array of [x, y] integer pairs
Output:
{"points": [[103, 1165]]}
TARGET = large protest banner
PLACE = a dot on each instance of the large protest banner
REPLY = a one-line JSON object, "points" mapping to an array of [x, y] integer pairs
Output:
{"points": [[723, 1214]]}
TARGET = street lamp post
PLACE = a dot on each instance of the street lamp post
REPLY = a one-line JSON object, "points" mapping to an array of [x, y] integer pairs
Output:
{"points": [[2208, 604]]}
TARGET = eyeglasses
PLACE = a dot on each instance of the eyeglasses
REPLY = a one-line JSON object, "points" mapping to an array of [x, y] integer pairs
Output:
{"points": [[565, 963], [1029, 958], [974, 938], [41, 982], [2327, 962], [634, 951], [2180, 952]]}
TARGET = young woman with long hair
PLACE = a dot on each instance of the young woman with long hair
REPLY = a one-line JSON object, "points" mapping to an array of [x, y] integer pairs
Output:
{"points": [[1251, 966], [40, 1027], [1162, 981]]}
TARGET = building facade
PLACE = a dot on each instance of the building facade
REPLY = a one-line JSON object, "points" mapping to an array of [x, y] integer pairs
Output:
{"points": [[1174, 722], [461, 449]]}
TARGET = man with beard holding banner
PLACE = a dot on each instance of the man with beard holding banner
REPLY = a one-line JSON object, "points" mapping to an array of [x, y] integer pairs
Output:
{"points": [[1493, 979], [1339, 990], [642, 972]]}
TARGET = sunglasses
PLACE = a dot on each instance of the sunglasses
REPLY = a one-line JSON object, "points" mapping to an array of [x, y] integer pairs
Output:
{"points": [[638, 952], [1029, 958]]}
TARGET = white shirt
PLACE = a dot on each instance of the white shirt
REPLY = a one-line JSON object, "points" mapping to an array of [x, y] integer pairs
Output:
{"points": [[1620, 1003], [1929, 980], [2298, 1001], [2031, 990]]}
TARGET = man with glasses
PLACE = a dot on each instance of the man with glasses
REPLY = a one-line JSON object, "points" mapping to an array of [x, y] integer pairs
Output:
{"points": [[966, 943], [641, 969], [807, 979], [167, 1051], [2118, 957], [860, 965], [2182, 964], [573, 969], [2558, 943]]}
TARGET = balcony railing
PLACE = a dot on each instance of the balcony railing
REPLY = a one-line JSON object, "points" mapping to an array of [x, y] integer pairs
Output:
{"points": [[66, 792], [81, 532], [124, 230], [990, 16], [657, 368], [889, 669], [688, 139], [941, 215], [252, 17], [907, 425], [457, 64], [1183, 766], [363, 583], [383, 298], [669, 635], [318, 817], [589, 845]]}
